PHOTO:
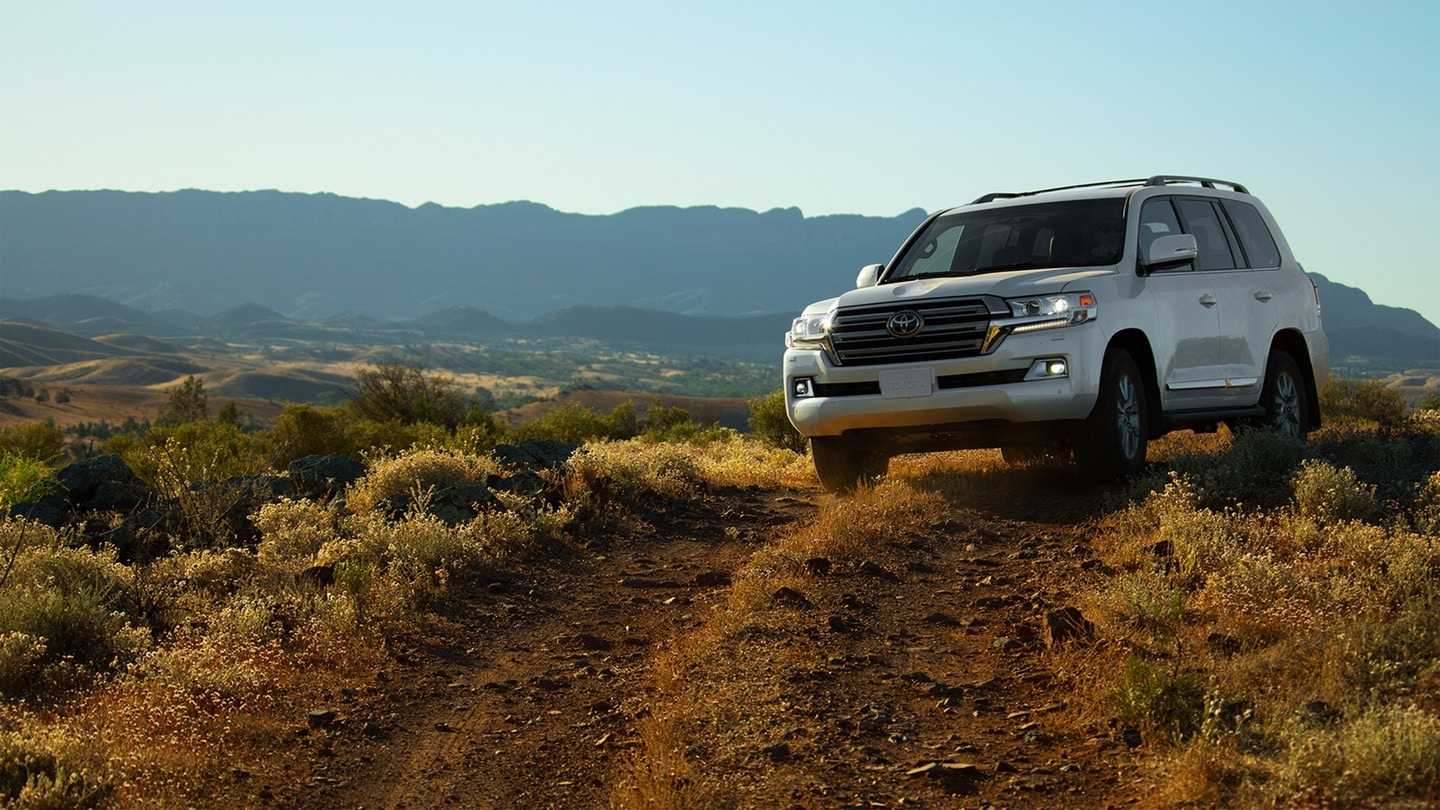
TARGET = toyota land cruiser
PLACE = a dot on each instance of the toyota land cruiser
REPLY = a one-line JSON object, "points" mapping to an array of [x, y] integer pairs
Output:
{"points": [[1081, 320]]}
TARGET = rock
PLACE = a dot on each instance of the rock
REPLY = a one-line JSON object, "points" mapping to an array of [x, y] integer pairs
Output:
{"points": [[53, 511], [101, 483], [646, 582], [1067, 624], [817, 566], [789, 597], [942, 618], [534, 454], [317, 576], [526, 483], [710, 579], [322, 718], [319, 477], [874, 569], [590, 641], [462, 503], [780, 752]]}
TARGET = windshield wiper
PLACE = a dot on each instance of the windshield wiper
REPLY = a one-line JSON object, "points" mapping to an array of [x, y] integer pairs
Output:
{"points": [[1025, 265]]}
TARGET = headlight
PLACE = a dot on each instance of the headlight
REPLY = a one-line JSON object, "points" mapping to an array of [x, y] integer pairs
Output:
{"points": [[808, 332], [1036, 312], [1052, 311]]}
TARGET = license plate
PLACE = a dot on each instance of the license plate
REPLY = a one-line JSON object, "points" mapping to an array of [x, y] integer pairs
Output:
{"points": [[914, 382]]}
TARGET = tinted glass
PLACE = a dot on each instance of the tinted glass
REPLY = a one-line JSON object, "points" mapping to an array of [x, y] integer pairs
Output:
{"points": [[1255, 236], [1202, 220], [1157, 219], [1084, 233]]}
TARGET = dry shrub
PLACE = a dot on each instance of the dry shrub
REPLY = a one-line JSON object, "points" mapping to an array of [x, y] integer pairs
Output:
{"points": [[1383, 755], [1330, 495], [1317, 629], [64, 611], [45, 767], [1427, 506], [419, 470], [292, 532]]}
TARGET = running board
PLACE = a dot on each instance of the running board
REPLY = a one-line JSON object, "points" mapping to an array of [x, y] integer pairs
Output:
{"points": [[1174, 418]]}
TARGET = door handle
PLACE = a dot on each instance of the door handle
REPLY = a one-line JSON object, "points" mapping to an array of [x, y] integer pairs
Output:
{"points": [[1207, 300], [1263, 295]]}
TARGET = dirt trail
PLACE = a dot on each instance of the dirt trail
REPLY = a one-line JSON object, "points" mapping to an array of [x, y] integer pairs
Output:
{"points": [[933, 692]]}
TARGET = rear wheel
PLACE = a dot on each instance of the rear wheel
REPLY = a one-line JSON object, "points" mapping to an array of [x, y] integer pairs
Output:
{"points": [[1287, 407], [843, 464], [1110, 443]]}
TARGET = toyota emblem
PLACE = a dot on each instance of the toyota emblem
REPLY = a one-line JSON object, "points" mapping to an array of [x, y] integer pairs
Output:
{"points": [[904, 324]]}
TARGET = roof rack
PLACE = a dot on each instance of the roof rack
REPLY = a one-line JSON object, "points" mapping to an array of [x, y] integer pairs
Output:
{"points": [[1206, 182], [1005, 195], [1157, 180]]}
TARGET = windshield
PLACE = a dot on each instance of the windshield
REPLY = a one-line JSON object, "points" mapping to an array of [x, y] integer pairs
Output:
{"points": [[1082, 233]]}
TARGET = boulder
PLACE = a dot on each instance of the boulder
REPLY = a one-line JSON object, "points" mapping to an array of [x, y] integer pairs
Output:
{"points": [[102, 482], [319, 477]]}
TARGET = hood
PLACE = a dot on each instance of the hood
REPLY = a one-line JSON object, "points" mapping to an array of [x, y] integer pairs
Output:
{"points": [[1014, 284]]}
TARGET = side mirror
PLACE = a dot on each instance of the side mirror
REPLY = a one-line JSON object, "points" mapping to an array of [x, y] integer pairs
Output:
{"points": [[1174, 249], [869, 274]]}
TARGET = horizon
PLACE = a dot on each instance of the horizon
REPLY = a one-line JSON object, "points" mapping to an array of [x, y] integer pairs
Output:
{"points": [[1329, 112]]}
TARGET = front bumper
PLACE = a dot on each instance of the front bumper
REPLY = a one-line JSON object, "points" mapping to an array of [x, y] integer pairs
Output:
{"points": [[984, 389]]}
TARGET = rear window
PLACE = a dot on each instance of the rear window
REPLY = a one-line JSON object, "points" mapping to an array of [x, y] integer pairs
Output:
{"points": [[1255, 237]]}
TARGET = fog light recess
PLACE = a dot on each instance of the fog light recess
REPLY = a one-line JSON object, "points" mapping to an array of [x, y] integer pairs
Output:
{"points": [[802, 387], [1048, 369]]}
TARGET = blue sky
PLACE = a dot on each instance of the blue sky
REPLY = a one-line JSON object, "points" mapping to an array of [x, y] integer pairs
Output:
{"points": [[1329, 111]]}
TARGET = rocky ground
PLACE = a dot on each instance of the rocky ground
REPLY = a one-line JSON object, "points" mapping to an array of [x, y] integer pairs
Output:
{"points": [[921, 676]]}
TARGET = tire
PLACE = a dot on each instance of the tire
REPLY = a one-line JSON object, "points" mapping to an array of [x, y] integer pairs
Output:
{"points": [[1110, 443], [844, 465], [1283, 397]]}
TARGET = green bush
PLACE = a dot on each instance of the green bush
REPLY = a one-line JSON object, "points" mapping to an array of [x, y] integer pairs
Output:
{"points": [[578, 424], [403, 393], [1155, 700], [1345, 401], [188, 403], [24, 479], [672, 423], [37, 440], [770, 423], [171, 457], [307, 430]]}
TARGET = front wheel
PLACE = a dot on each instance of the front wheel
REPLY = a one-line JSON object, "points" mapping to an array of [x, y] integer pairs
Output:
{"points": [[1283, 397], [843, 465], [1110, 443]]}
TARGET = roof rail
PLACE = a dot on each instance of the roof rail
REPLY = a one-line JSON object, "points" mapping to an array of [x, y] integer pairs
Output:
{"points": [[1157, 180], [1206, 182], [1005, 195]]}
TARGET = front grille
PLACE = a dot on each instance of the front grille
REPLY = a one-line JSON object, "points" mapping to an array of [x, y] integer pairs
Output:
{"points": [[953, 328]]}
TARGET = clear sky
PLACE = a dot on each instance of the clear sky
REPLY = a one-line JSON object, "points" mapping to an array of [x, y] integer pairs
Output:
{"points": [[1329, 111]]}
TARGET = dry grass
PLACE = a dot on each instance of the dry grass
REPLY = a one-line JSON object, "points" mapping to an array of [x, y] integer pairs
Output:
{"points": [[1278, 656]]}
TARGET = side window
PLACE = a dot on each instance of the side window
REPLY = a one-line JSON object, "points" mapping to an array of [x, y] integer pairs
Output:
{"points": [[1157, 219], [1255, 237], [1203, 220]]}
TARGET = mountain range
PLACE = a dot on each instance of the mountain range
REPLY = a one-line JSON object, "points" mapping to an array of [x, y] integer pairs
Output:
{"points": [[317, 256], [267, 264]]}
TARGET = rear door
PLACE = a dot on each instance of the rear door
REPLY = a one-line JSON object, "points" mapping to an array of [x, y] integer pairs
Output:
{"points": [[1240, 262]]}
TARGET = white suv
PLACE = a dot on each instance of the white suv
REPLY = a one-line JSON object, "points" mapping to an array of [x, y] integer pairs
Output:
{"points": [[1085, 319]]}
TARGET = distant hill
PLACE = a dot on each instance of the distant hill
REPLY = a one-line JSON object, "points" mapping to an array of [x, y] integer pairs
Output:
{"points": [[315, 256]]}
